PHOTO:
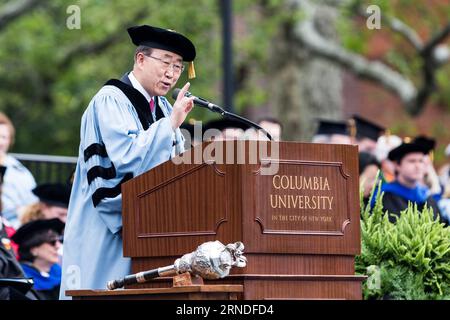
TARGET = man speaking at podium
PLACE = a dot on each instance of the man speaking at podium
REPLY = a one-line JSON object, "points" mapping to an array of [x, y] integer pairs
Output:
{"points": [[128, 128]]}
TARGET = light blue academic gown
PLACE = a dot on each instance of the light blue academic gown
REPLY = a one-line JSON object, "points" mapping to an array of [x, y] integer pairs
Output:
{"points": [[93, 251]]}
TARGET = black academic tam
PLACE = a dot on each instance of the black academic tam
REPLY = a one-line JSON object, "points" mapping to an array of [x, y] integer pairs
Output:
{"points": [[402, 150]]}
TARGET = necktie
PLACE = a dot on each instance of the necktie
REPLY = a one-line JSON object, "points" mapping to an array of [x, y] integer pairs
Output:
{"points": [[152, 105]]}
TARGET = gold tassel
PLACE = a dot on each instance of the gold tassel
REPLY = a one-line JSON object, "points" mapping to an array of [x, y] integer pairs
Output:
{"points": [[191, 70], [352, 127]]}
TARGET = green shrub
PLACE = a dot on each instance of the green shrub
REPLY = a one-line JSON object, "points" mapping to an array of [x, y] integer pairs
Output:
{"points": [[409, 259]]}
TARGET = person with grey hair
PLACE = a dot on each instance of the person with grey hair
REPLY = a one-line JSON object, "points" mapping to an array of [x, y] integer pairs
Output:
{"points": [[18, 180]]}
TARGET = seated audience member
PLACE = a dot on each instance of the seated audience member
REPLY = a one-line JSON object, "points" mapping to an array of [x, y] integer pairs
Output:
{"points": [[53, 203], [272, 126], [410, 169], [332, 132], [39, 241], [367, 133], [18, 181], [385, 144], [368, 171]]}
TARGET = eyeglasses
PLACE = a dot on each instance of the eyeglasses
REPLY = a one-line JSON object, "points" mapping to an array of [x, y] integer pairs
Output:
{"points": [[53, 241], [177, 68]]}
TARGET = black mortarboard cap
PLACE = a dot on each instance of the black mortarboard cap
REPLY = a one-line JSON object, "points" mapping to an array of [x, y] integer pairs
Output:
{"points": [[427, 143], [332, 127], [55, 194], [225, 123], [367, 129], [30, 234], [398, 153]]}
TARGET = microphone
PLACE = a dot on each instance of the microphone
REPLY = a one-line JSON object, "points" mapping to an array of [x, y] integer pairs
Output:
{"points": [[199, 101], [215, 108]]}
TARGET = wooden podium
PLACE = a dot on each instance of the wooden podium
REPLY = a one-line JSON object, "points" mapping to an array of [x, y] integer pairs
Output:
{"points": [[295, 206]]}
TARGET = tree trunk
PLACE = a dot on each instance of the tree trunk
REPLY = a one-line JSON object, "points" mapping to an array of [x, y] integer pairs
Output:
{"points": [[303, 86]]}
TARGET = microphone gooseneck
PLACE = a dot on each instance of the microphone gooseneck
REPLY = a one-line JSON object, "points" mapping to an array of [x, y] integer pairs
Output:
{"points": [[215, 108]]}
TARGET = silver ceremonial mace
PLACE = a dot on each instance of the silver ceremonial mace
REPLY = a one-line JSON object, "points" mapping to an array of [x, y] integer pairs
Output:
{"points": [[211, 260]]}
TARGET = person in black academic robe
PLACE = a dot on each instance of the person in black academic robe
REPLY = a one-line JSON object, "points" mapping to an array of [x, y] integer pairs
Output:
{"points": [[406, 188], [395, 203]]}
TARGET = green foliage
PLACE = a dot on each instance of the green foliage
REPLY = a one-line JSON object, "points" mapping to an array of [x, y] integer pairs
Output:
{"points": [[426, 19], [410, 258], [261, 22]]}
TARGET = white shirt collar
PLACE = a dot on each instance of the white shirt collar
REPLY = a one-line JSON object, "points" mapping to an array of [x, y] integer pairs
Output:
{"points": [[138, 86]]}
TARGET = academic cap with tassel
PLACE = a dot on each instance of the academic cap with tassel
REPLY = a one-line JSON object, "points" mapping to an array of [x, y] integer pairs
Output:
{"points": [[165, 39]]}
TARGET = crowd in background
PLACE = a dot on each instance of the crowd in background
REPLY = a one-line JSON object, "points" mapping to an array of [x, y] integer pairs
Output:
{"points": [[403, 165]]}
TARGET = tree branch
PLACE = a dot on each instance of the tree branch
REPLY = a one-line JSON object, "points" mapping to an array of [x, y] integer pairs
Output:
{"points": [[15, 9], [96, 47], [398, 26], [436, 39], [430, 64], [393, 81], [88, 48]]}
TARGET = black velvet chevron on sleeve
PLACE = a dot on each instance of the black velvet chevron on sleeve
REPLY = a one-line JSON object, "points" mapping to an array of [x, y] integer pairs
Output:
{"points": [[101, 172], [95, 149]]}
